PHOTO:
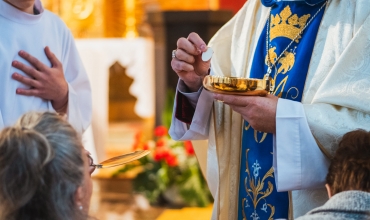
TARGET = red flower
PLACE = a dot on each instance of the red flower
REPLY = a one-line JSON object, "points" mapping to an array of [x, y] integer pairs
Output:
{"points": [[171, 160], [161, 153], [160, 131], [161, 143], [189, 147]]}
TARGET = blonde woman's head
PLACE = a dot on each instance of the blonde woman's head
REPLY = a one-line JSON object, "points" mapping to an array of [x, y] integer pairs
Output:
{"points": [[44, 171]]}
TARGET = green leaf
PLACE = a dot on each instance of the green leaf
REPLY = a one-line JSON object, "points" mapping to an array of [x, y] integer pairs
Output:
{"points": [[167, 113], [193, 188]]}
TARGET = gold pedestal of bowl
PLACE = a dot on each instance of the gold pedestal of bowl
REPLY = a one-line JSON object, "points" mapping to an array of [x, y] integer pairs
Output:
{"points": [[236, 85]]}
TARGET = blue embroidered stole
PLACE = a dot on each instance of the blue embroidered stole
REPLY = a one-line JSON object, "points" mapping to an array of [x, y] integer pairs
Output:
{"points": [[258, 198]]}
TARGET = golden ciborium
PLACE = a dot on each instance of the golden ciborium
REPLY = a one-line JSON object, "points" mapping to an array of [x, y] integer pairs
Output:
{"points": [[237, 85]]}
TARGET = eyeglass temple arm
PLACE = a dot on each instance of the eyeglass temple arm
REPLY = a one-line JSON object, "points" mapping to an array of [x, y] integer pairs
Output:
{"points": [[97, 166]]}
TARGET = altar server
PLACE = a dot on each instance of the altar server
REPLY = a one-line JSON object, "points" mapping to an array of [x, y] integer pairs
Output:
{"points": [[40, 69], [268, 156]]}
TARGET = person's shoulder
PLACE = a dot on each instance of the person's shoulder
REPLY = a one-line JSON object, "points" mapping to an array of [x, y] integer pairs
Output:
{"points": [[318, 217], [55, 19], [320, 213], [57, 25]]}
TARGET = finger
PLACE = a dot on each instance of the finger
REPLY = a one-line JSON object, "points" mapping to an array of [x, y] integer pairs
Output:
{"points": [[180, 66], [26, 80], [28, 92], [32, 60], [233, 99], [187, 46], [32, 72], [51, 56], [197, 41], [183, 56], [239, 109]]}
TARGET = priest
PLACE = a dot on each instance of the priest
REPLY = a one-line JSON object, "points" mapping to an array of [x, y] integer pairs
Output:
{"points": [[268, 156]]}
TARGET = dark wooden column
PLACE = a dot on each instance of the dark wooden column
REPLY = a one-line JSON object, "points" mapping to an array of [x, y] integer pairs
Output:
{"points": [[168, 27]]}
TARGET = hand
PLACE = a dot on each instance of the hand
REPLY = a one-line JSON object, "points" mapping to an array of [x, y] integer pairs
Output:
{"points": [[188, 63], [259, 111], [45, 82]]}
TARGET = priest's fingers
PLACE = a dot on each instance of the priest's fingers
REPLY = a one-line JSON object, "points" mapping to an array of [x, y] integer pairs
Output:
{"points": [[53, 59], [26, 80], [260, 119], [264, 102], [29, 92], [236, 100], [33, 61], [184, 56], [180, 66], [260, 112], [198, 42], [32, 72], [187, 46]]}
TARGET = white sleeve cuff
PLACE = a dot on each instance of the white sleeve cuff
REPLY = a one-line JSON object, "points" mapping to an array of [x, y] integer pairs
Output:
{"points": [[298, 161]]}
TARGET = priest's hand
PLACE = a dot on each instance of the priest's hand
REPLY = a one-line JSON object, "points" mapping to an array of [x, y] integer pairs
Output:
{"points": [[187, 61], [259, 111], [45, 82]]}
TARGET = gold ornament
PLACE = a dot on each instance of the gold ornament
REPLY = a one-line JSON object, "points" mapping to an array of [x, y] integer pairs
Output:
{"points": [[287, 25]]}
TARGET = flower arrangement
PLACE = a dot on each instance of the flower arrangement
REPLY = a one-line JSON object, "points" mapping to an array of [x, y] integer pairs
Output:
{"points": [[170, 173]]}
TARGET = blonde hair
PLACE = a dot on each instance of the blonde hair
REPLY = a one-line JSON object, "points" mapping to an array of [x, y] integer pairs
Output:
{"points": [[41, 167]]}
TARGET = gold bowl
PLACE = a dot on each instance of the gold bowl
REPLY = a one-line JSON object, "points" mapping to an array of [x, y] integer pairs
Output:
{"points": [[236, 85]]}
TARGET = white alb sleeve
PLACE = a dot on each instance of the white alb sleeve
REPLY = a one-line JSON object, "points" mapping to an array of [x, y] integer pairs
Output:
{"points": [[199, 127], [79, 111], [298, 161]]}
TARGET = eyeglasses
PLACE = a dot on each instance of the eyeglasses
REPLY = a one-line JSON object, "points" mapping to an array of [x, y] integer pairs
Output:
{"points": [[92, 166]]}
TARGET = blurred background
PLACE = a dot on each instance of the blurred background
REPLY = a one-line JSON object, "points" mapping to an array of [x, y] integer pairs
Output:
{"points": [[126, 47]]}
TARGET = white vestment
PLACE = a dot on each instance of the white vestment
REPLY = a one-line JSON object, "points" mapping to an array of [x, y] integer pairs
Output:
{"points": [[32, 33], [336, 100]]}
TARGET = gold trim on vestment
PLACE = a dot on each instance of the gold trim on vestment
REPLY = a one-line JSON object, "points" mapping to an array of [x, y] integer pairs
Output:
{"points": [[256, 187], [218, 168], [323, 149], [291, 213]]}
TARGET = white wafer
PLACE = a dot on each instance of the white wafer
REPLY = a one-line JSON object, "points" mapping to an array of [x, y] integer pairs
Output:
{"points": [[207, 55]]}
